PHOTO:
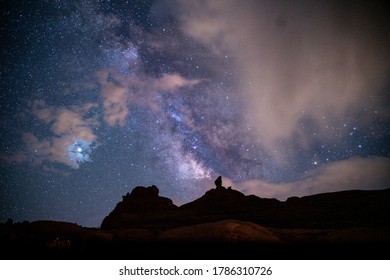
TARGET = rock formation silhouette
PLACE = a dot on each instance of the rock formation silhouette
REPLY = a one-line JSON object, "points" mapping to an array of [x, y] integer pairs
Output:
{"points": [[143, 208], [142, 204], [218, 182], [339, 223]]}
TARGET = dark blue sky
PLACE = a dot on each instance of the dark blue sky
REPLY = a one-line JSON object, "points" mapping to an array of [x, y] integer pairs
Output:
{"points": [[98, 97]]}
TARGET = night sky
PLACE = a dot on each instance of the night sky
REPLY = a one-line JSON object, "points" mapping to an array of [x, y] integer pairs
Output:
{"points": [[280, 98]]}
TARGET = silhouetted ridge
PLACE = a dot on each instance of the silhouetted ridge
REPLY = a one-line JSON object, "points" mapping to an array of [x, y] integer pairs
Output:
{"points": [[143, 208], [226, 203], [143, 203], [145, 225], [142, 200], [341, 209], [214, 199]]}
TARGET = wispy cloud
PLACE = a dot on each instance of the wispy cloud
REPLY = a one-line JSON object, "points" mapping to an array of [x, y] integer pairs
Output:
{"points": [[354, 173], [322, 63], [119, 92], [67, 127]]}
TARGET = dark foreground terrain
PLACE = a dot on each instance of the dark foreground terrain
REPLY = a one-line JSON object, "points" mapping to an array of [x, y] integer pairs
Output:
{"points": [[222, 224]]}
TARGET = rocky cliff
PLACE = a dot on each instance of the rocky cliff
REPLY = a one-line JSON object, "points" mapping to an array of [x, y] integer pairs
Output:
{"points": [[343, 225], [143, 208]]}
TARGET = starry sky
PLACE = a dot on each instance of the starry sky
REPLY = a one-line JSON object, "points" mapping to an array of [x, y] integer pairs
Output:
{"points": [[280, 98]]}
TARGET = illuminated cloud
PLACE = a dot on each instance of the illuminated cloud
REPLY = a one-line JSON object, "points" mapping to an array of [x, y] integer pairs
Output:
{"points": [[67, 121], [297, 63], [116, 95], [79, 152], [69, 127], [119, 92], [168, 82], [354, 173]]}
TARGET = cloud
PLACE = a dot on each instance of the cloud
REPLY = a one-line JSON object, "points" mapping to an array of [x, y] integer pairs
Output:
{"points": [[354, 173], [119, 92], [41, 111], [321, 62], [17, 158], [67, 127], [116, 95], [52, 149], [64, 121]]}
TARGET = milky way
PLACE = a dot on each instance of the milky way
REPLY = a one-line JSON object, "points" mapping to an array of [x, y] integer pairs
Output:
{"points": [[278, 98]]}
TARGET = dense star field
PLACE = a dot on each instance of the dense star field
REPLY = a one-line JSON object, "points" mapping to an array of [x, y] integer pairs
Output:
{"points": [[280, 98]]}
